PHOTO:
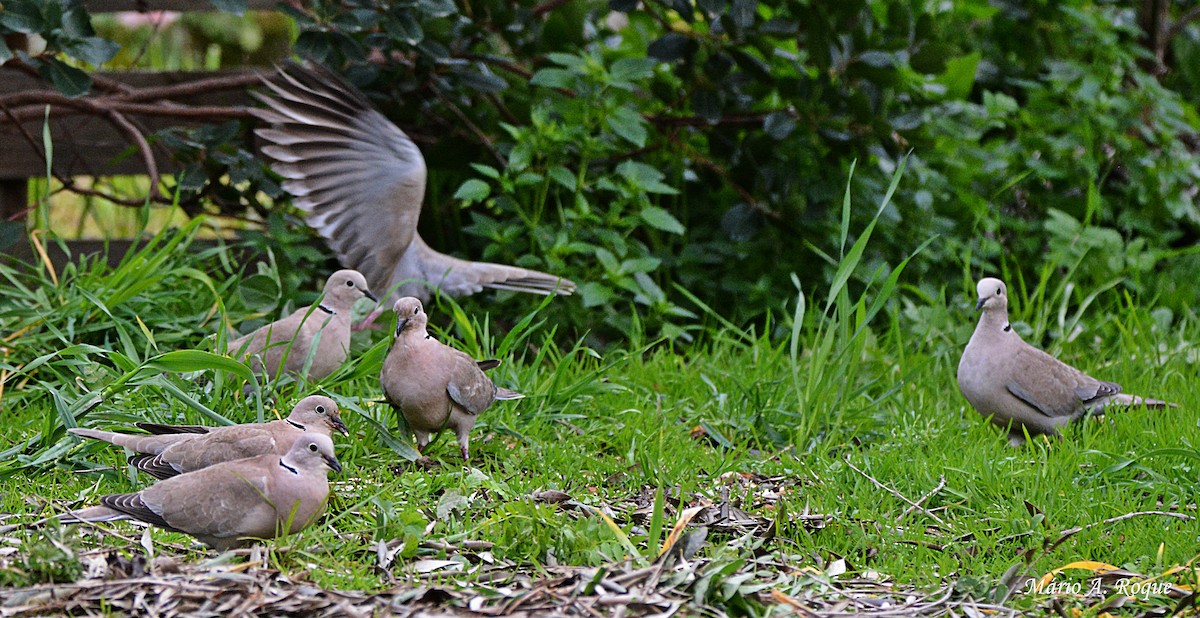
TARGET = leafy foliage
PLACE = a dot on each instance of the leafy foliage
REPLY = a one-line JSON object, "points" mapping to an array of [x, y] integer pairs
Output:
{"points": [[662, 153], [60, 26]]}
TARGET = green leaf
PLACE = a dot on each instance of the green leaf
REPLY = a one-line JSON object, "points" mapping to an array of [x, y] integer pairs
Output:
{"points": [[640, 265], [93, 50], [607, 260], [553, 78], [260, 292], [483, 81], [184, 361], [437, 8], [22, 16], [486, 170], [560, 174], [743, 13], [878, 59], [473, 190], [191, 178], [779, 125], [570, 61], [68, 80], [404, 27], [76, 23], [631, 69], [671, 47], [629, 124], [959, 76], [595, 294], [659, 218]]}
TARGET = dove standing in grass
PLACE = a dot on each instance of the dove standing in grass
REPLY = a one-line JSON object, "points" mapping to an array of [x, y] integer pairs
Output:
{"points": [[289, 342], [254, 498], [435, 386], [172, 450], [361, 181], [1021, 388]]}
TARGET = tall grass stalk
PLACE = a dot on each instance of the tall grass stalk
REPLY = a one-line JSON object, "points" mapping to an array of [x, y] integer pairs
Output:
{"points": [[832, 389]]}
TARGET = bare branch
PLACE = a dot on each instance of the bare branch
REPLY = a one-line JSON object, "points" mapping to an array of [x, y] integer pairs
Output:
{"points": [[1188, 16], [143, 147]]}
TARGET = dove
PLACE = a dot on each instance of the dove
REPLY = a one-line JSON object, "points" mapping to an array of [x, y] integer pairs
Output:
{"points": [[289, 341], [433, 385], [171, 450], [224, 504], [1021, 388], [361, 181]]}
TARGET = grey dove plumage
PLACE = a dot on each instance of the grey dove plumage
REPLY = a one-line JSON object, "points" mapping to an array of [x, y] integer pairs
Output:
{"points": [[1021, 388], [433, 385], [170, 450], [361, 181], [225, 504], [289, 341]]}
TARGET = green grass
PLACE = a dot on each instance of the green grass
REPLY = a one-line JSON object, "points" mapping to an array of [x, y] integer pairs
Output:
{"points": [[772, 425]]}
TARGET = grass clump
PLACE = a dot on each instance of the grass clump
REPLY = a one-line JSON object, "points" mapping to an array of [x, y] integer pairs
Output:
{"points": [[830, 449], [40, 558]]}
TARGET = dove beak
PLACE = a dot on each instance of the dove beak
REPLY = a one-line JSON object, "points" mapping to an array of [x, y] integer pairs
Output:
{"points": [[332, 462], [979, 304], [339, 426], [369, 295], [400, 326]]}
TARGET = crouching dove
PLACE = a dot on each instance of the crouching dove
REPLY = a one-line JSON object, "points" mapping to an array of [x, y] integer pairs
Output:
{"points": [[435, 386], [172, 450], [290, 341], [1021, 388], [222, 505], [361, 181]]}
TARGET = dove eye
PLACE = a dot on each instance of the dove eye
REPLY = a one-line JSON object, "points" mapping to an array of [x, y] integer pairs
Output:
{"points": [[416, 310], [349, 284], [320, 409], [312, 447]]}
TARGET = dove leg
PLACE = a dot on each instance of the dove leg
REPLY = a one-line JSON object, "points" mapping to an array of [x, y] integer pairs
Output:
{"points": [[422, 439], [464, 442]]}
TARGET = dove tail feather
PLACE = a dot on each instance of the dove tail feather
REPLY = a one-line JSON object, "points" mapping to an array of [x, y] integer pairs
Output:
{"points": [[154, 466], [91, 514], [1128, 400]]}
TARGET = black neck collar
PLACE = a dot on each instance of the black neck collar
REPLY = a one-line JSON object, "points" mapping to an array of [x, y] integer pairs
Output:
{"points": [[294, 424], [325, 309], [288, 468]]}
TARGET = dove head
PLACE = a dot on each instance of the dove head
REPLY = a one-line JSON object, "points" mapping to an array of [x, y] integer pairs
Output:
{"points": [[993, 295], [312, 452], [409, 314], [344, 287], [317, 413]]}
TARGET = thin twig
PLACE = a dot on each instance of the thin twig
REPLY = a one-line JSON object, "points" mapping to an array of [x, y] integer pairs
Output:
{"points": [[1070, 532], [475, 130], [894, 492], [941, 484], [143, 147], [1188, 16]]}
